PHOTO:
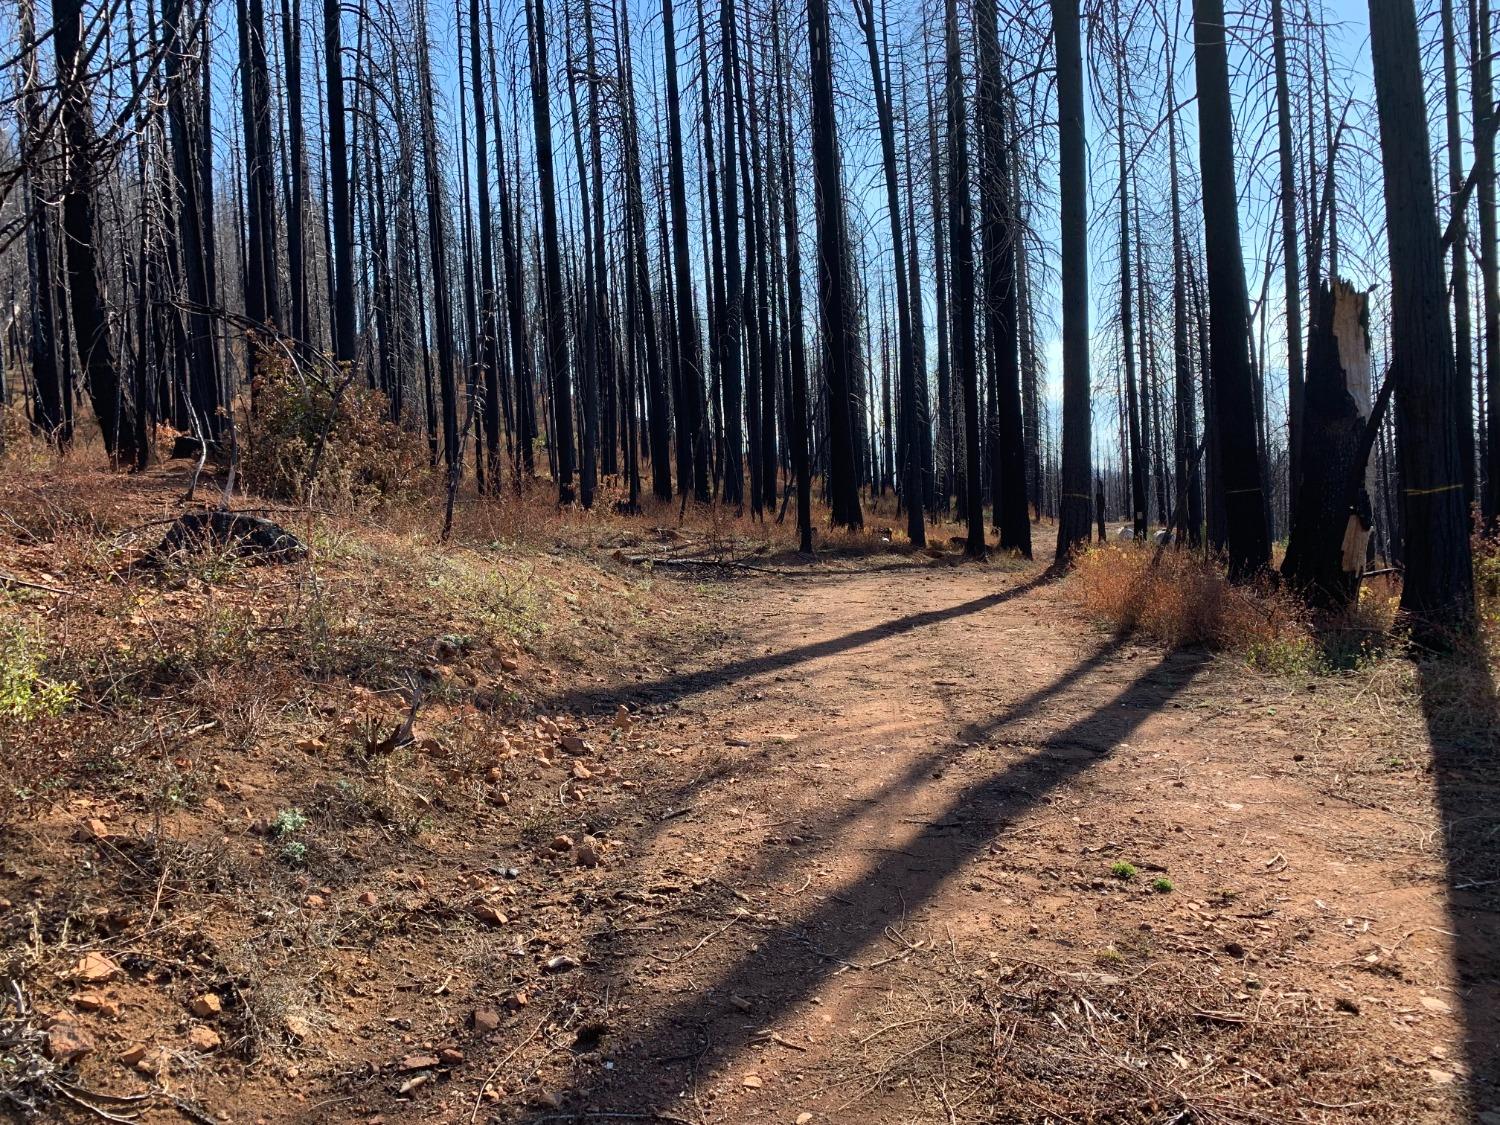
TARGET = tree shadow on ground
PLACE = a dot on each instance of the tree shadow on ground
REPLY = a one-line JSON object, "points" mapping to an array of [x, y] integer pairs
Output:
{"points": [[1459, 705], [675, 687], [792, 959]]}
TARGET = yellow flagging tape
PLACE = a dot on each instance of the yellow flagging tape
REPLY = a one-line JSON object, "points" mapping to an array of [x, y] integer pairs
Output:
{"points": [[1432, 491]]}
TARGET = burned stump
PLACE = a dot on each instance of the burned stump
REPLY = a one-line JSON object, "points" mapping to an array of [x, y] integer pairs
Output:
{"points": [[234, 534]]}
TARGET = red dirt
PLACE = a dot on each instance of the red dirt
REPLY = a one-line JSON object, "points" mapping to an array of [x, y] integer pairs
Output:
{"points": [[858, 859]]}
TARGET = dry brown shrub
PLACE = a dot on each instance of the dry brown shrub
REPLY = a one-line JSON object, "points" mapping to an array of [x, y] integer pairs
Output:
{"points": [[340, 450], [1182, 599]]}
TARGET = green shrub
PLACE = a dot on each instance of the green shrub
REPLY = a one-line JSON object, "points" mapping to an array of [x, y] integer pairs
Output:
{"points": [[26, 694]]}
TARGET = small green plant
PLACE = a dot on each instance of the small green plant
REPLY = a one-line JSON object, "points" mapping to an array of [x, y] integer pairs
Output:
{"points": [[288, 821], [1122, 870], [25, 694], [1162, 885], [294, 853], [1109, 955]]}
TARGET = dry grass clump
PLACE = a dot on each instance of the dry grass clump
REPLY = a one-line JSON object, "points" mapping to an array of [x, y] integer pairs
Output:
{"points": [[1033, 1043], [1182, 599]]}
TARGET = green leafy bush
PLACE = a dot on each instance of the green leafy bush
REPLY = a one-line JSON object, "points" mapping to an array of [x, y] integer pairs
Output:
{"points": [[26, 694]]}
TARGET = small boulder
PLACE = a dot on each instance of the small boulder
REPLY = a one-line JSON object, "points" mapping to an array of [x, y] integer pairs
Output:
{"points": [[204, 1039], [95, 968], [485, 1020], [67, 1042]]}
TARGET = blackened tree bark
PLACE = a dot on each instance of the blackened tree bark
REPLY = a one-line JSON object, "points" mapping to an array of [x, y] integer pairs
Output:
{"points": [[194, 230], [262, 305], [1290, 260], [798, 423], [837, 302], [1228, 308], [1189, 505], [1074, 501], [1463, 343], [338, 187], [1325, 553], [52, 415], [1438, 590], [692, 434], [910, 445], [1135, 450], [731, 316], [1482, 84], [487, 347], [1000, 235], [555, 301], [658, 411], [109, 396], [961, 234], [296, 173], [442, 314]]}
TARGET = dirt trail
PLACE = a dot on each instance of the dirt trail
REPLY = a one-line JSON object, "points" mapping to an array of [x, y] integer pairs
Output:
{"points": [[911, 792]]}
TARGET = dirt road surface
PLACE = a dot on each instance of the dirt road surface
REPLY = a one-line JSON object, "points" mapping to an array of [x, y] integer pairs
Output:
{"points": [[971, 858]]}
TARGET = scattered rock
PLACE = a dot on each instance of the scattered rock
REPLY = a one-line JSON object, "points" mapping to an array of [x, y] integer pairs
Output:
{"points": [[134, 1054], [562, 843], [95, 968], [1433, 1004], [94, 829], [517, 1001], [67, 1042], [581, 772], [314, 902], [90, 1001], [561, 963], [485, 1020], [206, 1005], [204, 1039], [153, 1062], [752, 1082], [1440, 1077], [415, 1082], [1234, 949], [369, 898], [1347, 1004], [623, 720], [741, 1003], [574, 744], [587, 853], [298, 1030], [804, 1117], [416, 1062], [490, 915], [451, 1056]]}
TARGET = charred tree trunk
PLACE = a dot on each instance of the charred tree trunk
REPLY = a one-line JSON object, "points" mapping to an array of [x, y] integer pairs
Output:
{"points": [[1326, 552], [1000, 232], [1073, 523], [961, 235], [836, 298], [1438, 591], [555, 299], [109, 396], [1229, 335]]}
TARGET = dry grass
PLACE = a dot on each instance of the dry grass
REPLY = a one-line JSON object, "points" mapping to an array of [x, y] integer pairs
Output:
{"points": [[1182, 599], [1170, 1041]]}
